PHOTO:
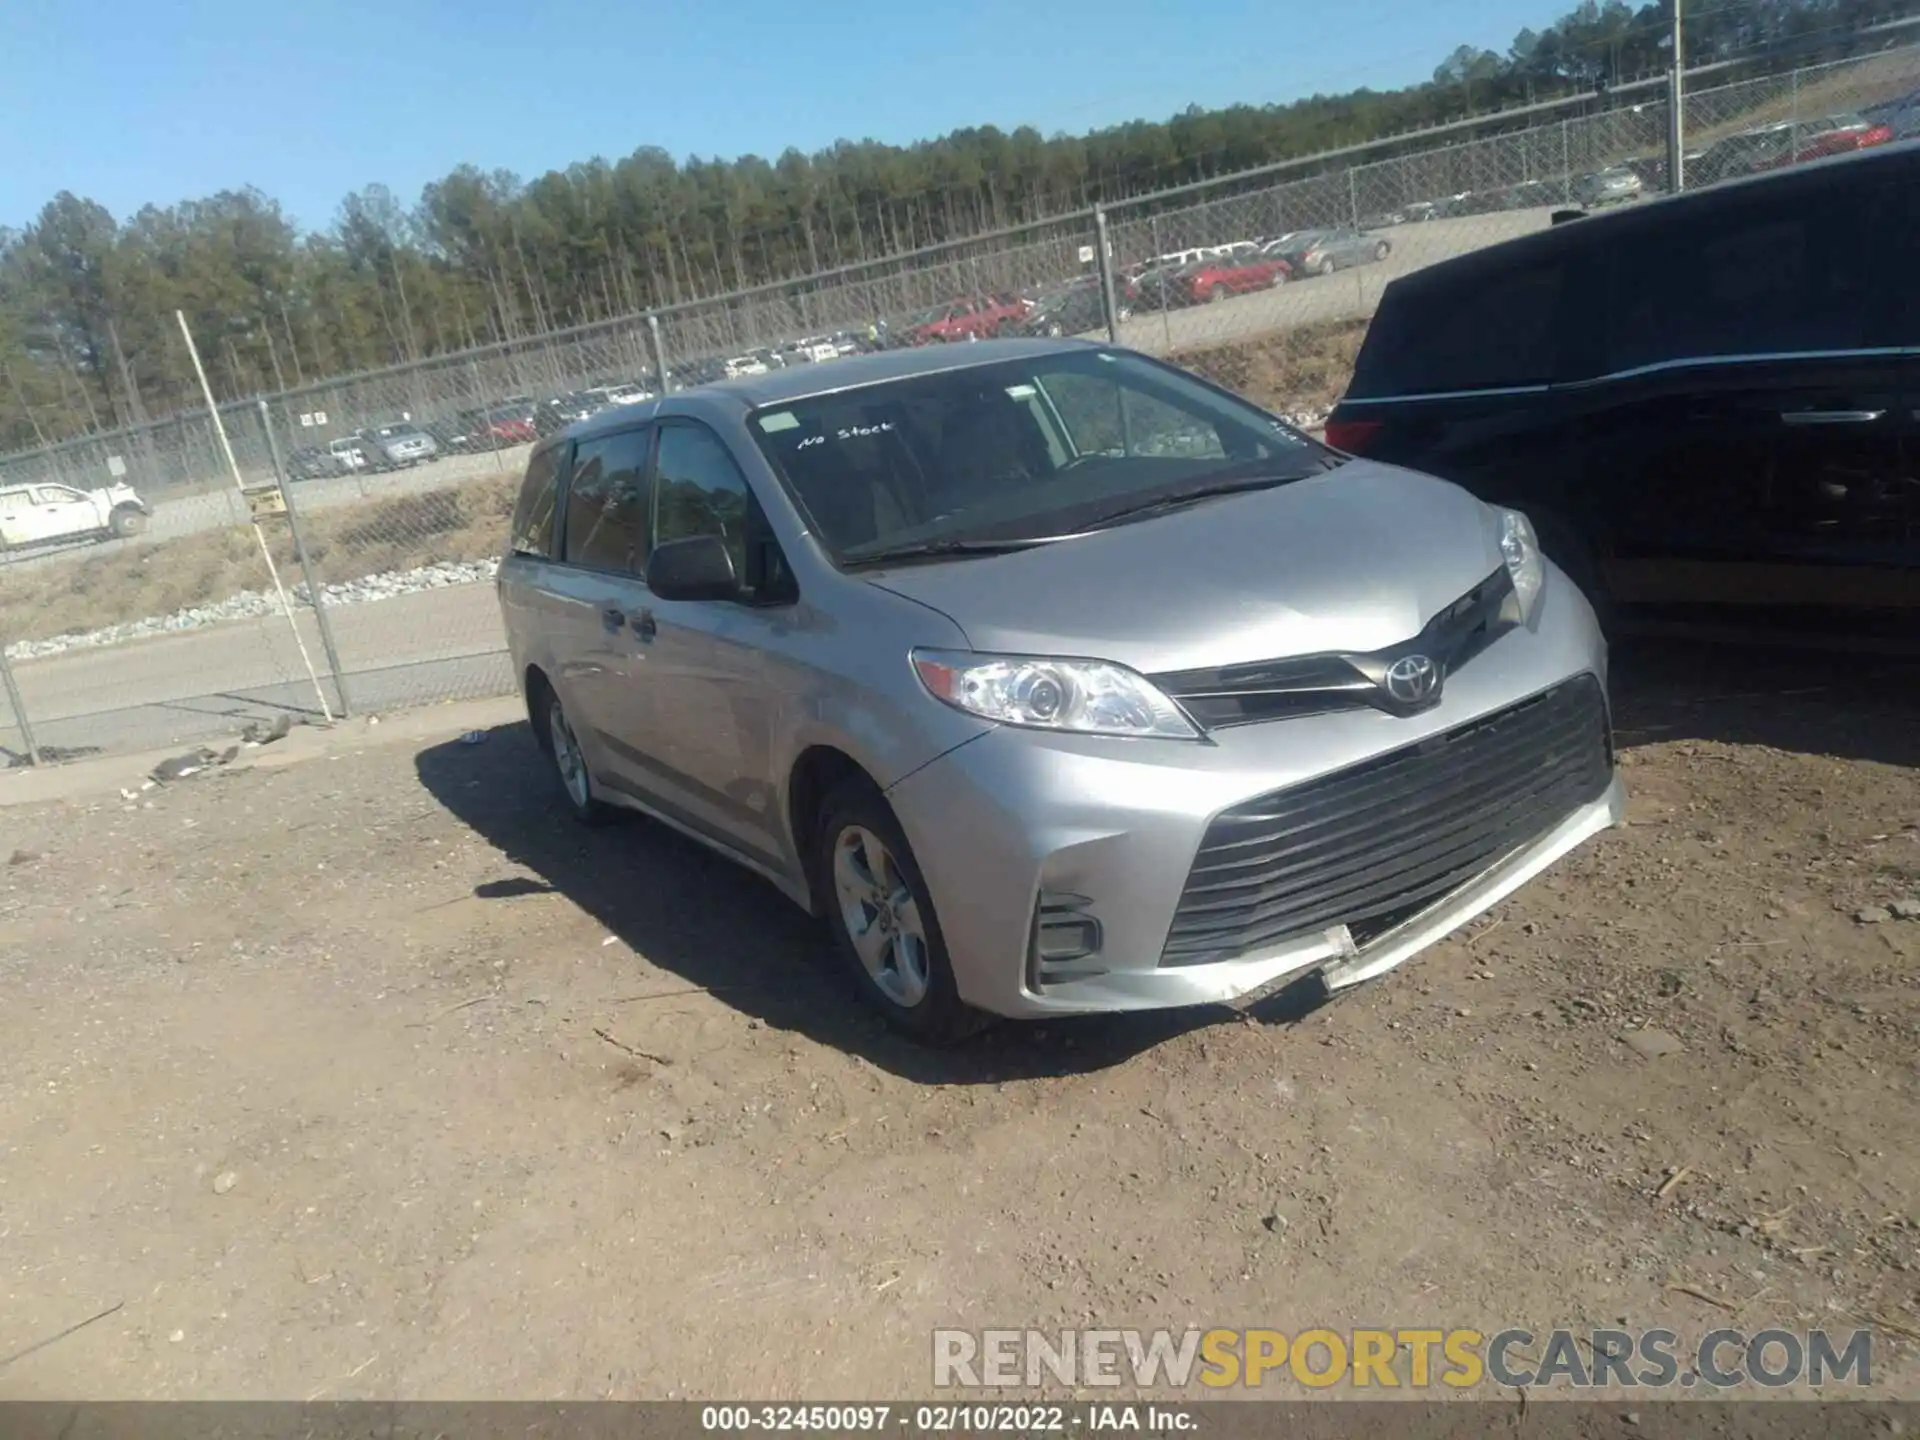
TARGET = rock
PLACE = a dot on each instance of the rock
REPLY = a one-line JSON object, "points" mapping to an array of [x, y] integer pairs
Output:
{"points": [[1906, 909], [1872, 914], [224, 1181], [1275, 1222], [182, 766], [23, 857], [177, 1336], [262, 733], [1650, 1043]]}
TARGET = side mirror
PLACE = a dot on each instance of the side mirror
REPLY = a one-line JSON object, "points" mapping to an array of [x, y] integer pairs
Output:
{"points": [[700, 568]]}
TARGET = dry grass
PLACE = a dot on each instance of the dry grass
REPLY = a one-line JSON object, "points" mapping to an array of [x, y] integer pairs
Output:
{"points": [[1303, 369], [344, 542]]}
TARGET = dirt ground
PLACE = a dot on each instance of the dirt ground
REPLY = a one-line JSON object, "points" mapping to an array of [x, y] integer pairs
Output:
{"points": [[369, 1075]]}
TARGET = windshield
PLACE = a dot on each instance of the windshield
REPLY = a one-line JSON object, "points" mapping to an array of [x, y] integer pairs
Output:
{"points": [[1015, 450]]}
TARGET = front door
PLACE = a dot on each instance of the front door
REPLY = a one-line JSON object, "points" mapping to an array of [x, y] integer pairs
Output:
{"points": [[602, 594], [1748, 430], [712, 668], [58, 513]]}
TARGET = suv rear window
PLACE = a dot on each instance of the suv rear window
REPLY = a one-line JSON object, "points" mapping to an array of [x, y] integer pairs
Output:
{"points": [[1492, 329], [1746, 278], [532, 532]]}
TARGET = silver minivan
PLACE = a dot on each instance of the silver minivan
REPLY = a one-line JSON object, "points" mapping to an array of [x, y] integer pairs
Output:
{"points": [[1054, 678]]}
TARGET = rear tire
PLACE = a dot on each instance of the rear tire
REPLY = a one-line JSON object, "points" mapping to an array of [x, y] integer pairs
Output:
{"points": [[882, 917], [127, 520], [1381, 250], [1216, 294], [569, 763]]}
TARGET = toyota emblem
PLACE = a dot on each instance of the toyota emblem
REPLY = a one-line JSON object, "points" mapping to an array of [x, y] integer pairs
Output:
{"points": [[1413, 680]]}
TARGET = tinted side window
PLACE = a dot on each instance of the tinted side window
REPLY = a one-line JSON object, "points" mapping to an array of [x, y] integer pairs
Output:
{"points": [[700, 491], [1497, 328], [607, 503], [532, 529], [1748, 276]]}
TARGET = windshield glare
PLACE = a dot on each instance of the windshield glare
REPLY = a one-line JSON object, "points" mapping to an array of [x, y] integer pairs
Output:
{"points": [[1014, 450]]}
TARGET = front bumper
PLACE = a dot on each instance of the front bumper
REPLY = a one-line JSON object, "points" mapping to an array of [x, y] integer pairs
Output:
{"points": [[1109, 830]]}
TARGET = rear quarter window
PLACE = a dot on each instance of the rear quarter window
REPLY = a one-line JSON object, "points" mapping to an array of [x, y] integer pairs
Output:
{"points": [[532, 530], [1491, 329], [1764, 271]]}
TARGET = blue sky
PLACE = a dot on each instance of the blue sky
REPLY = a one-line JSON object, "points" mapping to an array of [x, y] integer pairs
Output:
{"points": [[129, 102]]}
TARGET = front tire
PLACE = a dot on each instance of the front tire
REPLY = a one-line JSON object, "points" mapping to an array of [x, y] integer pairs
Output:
{"points": [[127, 520], [1381, 251], [570, 766], [1326, 266], [883, 921], [1216, 294]]}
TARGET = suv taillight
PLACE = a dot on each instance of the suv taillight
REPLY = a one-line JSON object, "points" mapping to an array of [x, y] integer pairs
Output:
{"points": [[1352, 436]]}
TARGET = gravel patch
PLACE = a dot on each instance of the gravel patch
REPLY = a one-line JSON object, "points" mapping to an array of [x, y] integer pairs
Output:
{"points": [[248, 604]]}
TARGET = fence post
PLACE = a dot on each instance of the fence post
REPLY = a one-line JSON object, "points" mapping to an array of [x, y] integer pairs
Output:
{"points": [[1566, 166], [486, 424], [1353, 196], [1676, 114], [657, 343], [314, 596], [19, 707], [1103, 257]]}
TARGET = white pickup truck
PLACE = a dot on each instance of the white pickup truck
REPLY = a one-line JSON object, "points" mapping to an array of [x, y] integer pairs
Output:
{"points": [[42, 514]]}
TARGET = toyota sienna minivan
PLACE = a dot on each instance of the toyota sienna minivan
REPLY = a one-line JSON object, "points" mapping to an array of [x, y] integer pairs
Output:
{"points": [[1054, 678]]}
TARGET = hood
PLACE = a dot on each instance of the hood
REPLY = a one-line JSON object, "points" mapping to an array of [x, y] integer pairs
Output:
{"points": [[1356, 559]]}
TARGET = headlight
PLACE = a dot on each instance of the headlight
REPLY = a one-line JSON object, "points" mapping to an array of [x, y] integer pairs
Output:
{"points": [[1521, 550], [1084, 697]]}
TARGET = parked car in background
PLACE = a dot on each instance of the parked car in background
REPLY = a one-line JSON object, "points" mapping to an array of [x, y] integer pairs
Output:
{"points": [[1211, 281], [1321, 252], [311, 462], [43, 514], [349, 453], [740, 365], [975, 318], [1191, 703], [1833, 135], [563, 410], [1075, 309], [1707, 403], [393, 447], [1613, 186]]}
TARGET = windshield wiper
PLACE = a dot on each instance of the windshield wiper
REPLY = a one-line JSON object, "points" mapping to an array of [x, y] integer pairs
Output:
{"points": [[1161, 504], [924, 549]]}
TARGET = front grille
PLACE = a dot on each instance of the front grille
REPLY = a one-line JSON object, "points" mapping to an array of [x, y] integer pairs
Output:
{"points": [[1376, 843], [1315, 684]]}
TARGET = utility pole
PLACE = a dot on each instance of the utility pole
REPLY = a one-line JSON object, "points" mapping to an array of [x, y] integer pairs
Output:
{"points": [[1676, 118]]}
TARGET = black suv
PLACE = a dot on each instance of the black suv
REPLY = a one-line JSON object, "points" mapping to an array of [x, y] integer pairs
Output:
{"points": [[1709, 404]]}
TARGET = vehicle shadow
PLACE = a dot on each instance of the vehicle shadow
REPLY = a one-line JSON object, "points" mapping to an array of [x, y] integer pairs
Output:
{"points": [[722, 930], [1847, 706]]}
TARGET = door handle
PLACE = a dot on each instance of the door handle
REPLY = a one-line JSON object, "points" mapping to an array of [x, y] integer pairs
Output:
{"points": [[1830, 417], [644, 625]]}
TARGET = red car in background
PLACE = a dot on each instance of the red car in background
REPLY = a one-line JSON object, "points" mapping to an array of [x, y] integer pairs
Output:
{"points": [[1207, 281], [1835, 135], [979, 318]]}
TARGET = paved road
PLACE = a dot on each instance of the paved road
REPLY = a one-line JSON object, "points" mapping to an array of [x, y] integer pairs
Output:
{"points": [[415, 649]]}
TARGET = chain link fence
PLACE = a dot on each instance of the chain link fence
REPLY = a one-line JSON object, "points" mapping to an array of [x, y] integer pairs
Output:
{"points": [[136, 627]]}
